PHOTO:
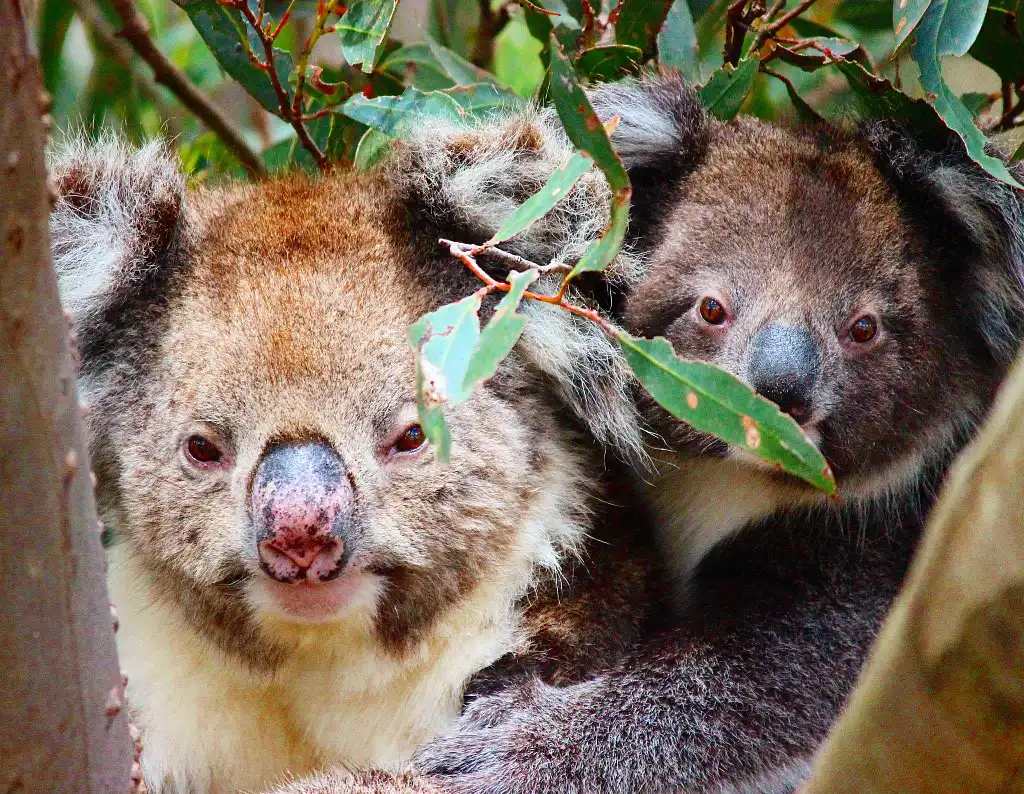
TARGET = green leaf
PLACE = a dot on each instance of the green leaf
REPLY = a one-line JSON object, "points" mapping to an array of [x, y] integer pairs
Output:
{"points": [[541, 203], [600, 256], [372, 148], [418, 67], [714, 401], [392, 115], [976, 102], [482, 98], [501, 333], [999, 45], [947, 30], [677, 42], [454, 24], [227, 34], [581, 123], [724, 93], [640, 21], [54, 20], [905, 16], [363, 29], [517, 58], [821, 50], [609, 62], [458, 68], [444, 341]]}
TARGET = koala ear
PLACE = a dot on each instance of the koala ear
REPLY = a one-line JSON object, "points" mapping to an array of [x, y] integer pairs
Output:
{"points": [[959, 200], [117, 213]]}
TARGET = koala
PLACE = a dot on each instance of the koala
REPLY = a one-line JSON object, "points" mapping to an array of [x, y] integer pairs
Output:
{"points": [[300, 583], [868, 283]]}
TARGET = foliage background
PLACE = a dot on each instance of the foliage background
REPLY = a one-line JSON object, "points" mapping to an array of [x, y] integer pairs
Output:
{"points": [[95, 86]]}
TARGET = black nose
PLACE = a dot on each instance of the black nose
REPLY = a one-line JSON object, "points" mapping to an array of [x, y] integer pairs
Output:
{"points": [[301, 506], [783, 364]]}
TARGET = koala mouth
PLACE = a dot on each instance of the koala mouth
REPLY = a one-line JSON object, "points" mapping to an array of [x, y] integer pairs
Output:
{"points": [[356, 590]]}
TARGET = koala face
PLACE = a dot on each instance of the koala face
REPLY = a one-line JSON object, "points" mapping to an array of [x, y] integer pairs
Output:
{"points": [[261, 432], [798, 272]]}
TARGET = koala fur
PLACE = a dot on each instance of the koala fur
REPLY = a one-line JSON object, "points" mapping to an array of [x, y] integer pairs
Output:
{"points": [[222, 328], [779, 591]]}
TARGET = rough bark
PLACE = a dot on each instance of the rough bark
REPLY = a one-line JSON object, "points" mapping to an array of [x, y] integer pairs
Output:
{"points": [[940, 706], [61, 727]]}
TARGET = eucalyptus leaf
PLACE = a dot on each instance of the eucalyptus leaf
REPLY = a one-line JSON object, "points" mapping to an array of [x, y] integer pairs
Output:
{"points": [[461, 71], [906, 14], [363, 29], [949, 29], [229, 36], [483, 98], [418, 67], [640, 21], [372, 148], [1000, 46], [724, 93], [716, 402], [558, 186], [677, 41], [609, 62], [392, 115], [501, 333]]}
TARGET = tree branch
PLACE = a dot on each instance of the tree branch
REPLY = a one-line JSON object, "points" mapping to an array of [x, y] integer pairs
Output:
{"points": [[136, 33]]}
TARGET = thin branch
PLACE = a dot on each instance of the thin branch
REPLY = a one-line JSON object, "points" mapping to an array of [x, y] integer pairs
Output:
{"points": [[284, 105], [136, 33], [785, 19], [739, 18], [464, 253], [762, 34]]}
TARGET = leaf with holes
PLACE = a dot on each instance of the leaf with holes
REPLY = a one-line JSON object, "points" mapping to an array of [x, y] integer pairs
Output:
{"points": [[363, 28], [716, 402], [461, 71], [677, 41], [543, 201], [393, 115], [727, 89], [444, 341], [949, 29], [501, 333]]}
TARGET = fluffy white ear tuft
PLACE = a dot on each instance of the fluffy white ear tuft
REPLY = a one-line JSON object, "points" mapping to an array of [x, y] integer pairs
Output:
{"points": [[117, 211]]}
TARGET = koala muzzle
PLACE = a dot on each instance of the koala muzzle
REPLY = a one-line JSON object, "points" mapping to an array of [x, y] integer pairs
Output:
{"points": [[301, 508], [783, 365]]}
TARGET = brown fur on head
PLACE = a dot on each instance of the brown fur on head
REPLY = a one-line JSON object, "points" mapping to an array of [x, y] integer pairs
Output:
{"points": [[281, 314]]}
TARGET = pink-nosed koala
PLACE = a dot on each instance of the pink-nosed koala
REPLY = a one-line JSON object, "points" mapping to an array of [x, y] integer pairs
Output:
{"points": [[300, 583]]}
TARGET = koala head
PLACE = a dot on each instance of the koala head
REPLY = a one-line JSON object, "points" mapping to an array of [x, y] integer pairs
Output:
{"points": [[870, 288], [868, 285], [253, 418]]}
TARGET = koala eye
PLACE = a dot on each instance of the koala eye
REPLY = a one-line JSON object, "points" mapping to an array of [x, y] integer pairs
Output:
{"points": [[202, 452], [411, 440], [864, 329], [712, 311]]}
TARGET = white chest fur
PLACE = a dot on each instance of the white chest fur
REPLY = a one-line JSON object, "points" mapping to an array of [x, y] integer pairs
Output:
{"points": [[700, 502], [210, 726]]}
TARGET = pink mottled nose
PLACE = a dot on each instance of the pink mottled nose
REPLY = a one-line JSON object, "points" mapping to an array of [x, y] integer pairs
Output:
{"points": [[301, 507]]}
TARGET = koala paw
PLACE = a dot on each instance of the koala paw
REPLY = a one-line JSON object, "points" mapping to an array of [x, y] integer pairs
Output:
{"points": [[519, 741]]}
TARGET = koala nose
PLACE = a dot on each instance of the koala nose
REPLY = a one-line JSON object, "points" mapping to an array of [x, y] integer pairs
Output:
{"points": [[782, 365], [301, 507]]}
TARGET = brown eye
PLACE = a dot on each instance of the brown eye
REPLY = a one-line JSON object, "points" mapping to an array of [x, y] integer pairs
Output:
{"points": [[712, 311], [864, 329], [202, 451], [411, 440]]}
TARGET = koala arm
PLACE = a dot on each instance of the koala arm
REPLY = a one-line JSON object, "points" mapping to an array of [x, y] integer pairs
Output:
{"points": [[738, 698]]}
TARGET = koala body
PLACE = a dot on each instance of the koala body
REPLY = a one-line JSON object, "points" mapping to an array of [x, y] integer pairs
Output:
{"points": [[871, 287], [300, 584]]}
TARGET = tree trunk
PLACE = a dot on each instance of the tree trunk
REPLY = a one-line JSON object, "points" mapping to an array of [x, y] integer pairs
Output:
{"points": [[61, 724], [940, 706]]}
